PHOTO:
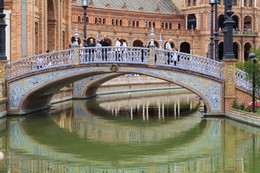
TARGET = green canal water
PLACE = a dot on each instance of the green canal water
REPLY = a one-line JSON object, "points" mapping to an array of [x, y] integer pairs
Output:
{"points": [[134, 133]]}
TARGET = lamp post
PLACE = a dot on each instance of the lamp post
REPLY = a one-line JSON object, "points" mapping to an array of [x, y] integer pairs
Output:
{"points": [[253, 58], [216, 39], [211, 52], [2, 32], [85, 6], [228, 38]]}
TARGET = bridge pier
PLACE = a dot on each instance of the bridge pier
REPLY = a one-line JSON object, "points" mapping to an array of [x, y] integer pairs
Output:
{"points": [[230, 83], [3, 96]]}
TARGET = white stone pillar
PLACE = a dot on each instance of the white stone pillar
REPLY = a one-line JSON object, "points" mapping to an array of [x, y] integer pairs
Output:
{"points": [[243, 2], [255, 3], [187, 23], [8, 33]]}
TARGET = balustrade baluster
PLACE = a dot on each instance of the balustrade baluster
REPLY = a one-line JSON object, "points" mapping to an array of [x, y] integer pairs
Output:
{"points": [[126, 54]]}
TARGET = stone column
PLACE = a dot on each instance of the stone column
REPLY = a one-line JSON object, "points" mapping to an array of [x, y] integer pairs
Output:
{"points": [[8, 33], [2, 32], [230, 82], [151, 59], [2, 78]]}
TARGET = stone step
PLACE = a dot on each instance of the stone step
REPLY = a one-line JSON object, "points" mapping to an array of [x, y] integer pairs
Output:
{"points": [[243, 114]]}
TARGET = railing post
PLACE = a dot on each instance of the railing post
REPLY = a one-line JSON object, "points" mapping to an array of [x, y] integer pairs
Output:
{"points": [[230, 82], [151, 59], [3, 78], [76, 55]]}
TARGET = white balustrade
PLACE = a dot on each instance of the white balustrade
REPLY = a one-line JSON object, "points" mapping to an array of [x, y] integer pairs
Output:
{"points": [[133, 55], [39, 62], [242, 81], [189, 62]]}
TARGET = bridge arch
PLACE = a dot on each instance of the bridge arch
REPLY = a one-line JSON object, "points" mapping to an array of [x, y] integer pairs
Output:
{"points": [[24, 91]]}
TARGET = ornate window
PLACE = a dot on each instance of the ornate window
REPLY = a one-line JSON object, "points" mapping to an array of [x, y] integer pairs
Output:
{"points": [[250, 3], [245, 3], [179, 26], [189, 2], [162, 25]]}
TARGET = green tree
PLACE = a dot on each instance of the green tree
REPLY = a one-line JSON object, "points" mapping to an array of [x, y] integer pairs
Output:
{"points": [[254, 69]]}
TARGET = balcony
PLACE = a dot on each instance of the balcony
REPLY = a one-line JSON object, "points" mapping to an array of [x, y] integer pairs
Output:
{"points": [[137, 30], [243, 33]]}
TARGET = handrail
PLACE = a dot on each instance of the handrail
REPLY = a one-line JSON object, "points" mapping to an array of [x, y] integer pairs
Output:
{"points": [[190, 62], [242, 81], [39, 62], [130, 55]]}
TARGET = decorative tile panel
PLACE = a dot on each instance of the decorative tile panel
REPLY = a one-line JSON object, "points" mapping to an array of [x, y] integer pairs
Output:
{"points": [[81, 85], [209, 90]]}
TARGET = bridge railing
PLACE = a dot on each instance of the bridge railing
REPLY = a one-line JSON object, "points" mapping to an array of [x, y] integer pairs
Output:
{"points": [[190, 62], [133, 55], [38, 62], [162, 58], [114, 54], [242, 81]]}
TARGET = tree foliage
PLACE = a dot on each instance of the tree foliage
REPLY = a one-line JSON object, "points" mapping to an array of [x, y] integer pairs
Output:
{"points": [[253, 69]]}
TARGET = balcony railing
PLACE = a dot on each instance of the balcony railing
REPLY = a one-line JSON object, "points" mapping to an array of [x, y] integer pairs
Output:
{"points": [[140, 30], [125, 55], [242, 33]]}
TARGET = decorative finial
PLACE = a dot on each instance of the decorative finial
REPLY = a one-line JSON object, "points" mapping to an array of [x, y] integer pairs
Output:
{"points": [[76, 35], [160, 41], [152, 37]]}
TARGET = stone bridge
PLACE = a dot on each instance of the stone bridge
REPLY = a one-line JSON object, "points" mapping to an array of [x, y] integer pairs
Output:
{"points": [[31, 82]]}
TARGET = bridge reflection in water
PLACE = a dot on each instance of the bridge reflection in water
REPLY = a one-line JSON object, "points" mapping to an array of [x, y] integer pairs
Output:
{"points": [[103, 136]]}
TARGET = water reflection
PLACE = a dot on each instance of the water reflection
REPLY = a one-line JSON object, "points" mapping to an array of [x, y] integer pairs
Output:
{"points": [[110, 134]]}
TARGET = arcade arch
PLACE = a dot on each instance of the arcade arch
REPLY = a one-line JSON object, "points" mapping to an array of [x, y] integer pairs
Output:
{"points": [[248, 23], [51, 17], [138, 43], [247, 48], [185, 47]]}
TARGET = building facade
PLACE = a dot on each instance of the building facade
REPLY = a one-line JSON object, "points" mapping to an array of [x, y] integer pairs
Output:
{"points": [[35, 26]]}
